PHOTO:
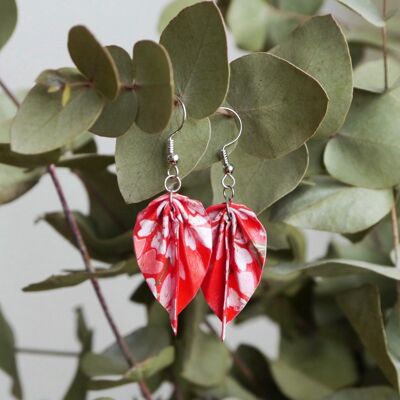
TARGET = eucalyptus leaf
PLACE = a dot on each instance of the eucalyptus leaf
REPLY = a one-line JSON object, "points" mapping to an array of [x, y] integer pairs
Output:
{"points": [[14, 181], [42, 124], [261, 182], [111, 249], [370, 75], [334, 207], [230, 389], [86, 162], [155, 86], [8, 362], [362, 307], [282, 108], [330, 268], [366, 9], [307, 7], [196, 42], [119, 114], [171, 11], [140, 178], [79, 387], [312, 368], [314, 48], [93, 60], [370, 133], [151, 349], [8, 20], [74, 278], [370, 393], [248, 20]]}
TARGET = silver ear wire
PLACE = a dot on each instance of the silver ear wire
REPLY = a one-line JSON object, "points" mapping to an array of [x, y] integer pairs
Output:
{"points": [[172, 182], [228, 181]]}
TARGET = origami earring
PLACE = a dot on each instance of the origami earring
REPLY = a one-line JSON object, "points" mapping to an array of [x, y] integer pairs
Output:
{"points": [[172, 241], [239, 248]]}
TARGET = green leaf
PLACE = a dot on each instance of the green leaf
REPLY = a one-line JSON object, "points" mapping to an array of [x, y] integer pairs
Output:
{"points": [[370, 133], [74, 278], [8, 362], [79, 386], [316, 148], [248, 20], [370, 393], [197, 185], [86, 162], [152, 352], [139, 177], [230, 389], [14, 181], [330, 268], [311, 368], [93, 60], [171, 11], [119, 114], [334, 207], [370, 75], [196, 42], [365, 9], [8, 20], [306, 7], [154, 86], [315, 47], [251, 174], [362, 307], [111, 249], [42, 124], [275, 125]]}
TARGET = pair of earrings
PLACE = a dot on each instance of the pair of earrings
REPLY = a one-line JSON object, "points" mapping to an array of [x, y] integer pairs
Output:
{"points": [[181, 247]]}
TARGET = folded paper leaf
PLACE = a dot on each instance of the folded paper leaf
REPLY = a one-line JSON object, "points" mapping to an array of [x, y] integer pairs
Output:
{"points": [[239, 251], [172, 242]]}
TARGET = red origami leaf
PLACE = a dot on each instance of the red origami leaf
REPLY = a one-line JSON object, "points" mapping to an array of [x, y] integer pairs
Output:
{"points": [[173, 247], [238, 256]]}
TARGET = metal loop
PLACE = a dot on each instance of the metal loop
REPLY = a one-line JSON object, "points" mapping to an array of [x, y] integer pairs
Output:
{"points": [[175, 171], [229, 193], [226, 183], [170, 182]]}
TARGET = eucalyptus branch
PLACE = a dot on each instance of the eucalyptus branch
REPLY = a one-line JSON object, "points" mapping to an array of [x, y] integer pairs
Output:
{"points": [[51, 169]]}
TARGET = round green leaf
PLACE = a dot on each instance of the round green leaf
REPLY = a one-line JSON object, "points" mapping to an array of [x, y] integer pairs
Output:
{"points": [[42, 123], [8, 20], [282, 106], [370, 75], [261, 182], [369, 393], [118, 115], [365, 9], [196, 42], [223, 130], [334, 207], [315, 47], [172, 10], [305, 7], [313, 367], [93, 60], [154, 86], [14, 182], [362, 307], [141, 158], [366, 151], [248, 20]]}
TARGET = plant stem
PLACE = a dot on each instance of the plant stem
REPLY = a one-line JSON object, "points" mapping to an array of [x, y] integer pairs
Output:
{"points": [[384, 47], [45, 352], [395, 232], [51, 169]]}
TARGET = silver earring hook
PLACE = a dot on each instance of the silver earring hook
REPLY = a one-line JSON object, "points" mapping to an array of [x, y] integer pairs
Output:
{"points": [[228, 181], [172, 182], [239, 121]]}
